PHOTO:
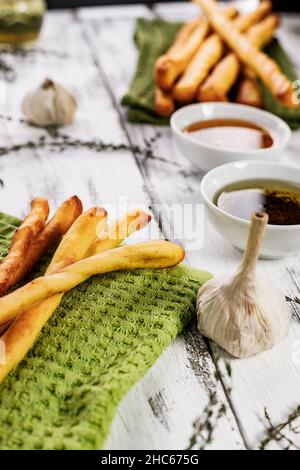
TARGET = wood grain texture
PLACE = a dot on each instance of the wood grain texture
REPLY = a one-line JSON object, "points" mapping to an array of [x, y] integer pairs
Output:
{"points": [[98, 64]]}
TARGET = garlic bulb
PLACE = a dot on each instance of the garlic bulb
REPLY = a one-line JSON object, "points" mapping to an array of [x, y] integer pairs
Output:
{"points": [[49, 105], [242, 313]]}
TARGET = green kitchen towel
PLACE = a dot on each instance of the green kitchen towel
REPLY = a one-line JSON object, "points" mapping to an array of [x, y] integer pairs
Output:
{"points": [[101, 340], [153, 38]]}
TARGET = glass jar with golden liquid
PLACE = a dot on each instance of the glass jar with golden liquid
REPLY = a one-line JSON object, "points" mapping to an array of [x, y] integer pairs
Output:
{"points": [[20, 20]]}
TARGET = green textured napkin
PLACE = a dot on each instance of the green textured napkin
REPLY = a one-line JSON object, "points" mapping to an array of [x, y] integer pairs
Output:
{"points": [[102, 339], [153, 38]]}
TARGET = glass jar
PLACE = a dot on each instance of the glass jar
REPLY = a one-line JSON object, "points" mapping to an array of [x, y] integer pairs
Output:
{"points": [[20, 20]]}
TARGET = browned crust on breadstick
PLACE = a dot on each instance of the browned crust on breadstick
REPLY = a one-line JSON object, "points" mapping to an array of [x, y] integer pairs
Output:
{"points": [[249, 93], [14, 265], [197, 71], [21, 335], [266, 68], [164, 104], [243, 23], [169, 66], [60, 223], [262, 33], [225, 74], [220, 81], [151, 255], [208, 55]]}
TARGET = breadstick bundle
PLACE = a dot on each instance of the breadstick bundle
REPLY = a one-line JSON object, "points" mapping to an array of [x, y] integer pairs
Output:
{"points": [[88, 248], [218, 53]]}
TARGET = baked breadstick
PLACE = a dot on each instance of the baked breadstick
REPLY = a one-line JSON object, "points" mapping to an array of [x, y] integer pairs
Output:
{"points": [[197, 71], [248, 92], [169, 66], [221, 80], [21, 335], [262, 33], [208, 55], [134, 220], [163, 103], [152, 255], [26, 328], [66, 214], [243, 23], [266, 68], [12, 268]]}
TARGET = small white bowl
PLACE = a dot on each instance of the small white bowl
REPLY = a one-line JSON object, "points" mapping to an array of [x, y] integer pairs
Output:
{"points": [[205, 156], [280, 240]]}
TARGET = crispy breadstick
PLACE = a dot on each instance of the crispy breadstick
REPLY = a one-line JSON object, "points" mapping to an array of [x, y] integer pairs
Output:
{"points": [[248, 92], [266, 68], [12, 268], [134, 220], [152, 255], [21, 335], [208, 55], [66, 214], [262, 33], [169, 66], [243, 23], [163, 103], [201, 64], [221, 80], [26, 328], [78, 239]]}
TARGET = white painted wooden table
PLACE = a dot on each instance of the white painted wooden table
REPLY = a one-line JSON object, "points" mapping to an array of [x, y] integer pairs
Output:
{"points": [[91, 52]]}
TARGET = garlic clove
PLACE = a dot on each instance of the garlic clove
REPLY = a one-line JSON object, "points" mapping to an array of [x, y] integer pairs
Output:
{"points": [[242, 313], [49, 105]]}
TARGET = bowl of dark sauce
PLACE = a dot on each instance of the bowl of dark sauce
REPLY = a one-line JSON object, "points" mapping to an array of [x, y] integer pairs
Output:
{"points": [[232, 192], [211, 134]]}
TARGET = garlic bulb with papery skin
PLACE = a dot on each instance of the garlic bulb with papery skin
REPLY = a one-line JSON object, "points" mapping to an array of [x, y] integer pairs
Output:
{"points": [[242, 313], [50, 105]]}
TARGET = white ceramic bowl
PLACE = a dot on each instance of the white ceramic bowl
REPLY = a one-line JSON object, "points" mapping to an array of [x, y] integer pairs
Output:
{"points": [[205, 156], [279, 241]]}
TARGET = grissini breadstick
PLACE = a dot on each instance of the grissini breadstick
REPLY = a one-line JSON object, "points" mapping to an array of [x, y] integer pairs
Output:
{"points": [[78, 239], [26, 328], [164, 104], [243, 23], [60, 223], [22, 333], [134, 220], [12, 267], [169, 66], [248, 92], [153, 255], [266, 68], [221, 80], [262, 33], [209, 55]]}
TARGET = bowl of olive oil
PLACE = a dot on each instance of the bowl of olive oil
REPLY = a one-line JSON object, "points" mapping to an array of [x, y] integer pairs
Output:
{"points": [[20, 20], [233, 192]]}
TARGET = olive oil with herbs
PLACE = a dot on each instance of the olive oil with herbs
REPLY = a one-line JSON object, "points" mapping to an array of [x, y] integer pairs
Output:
{"points": [[280, 200]]}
